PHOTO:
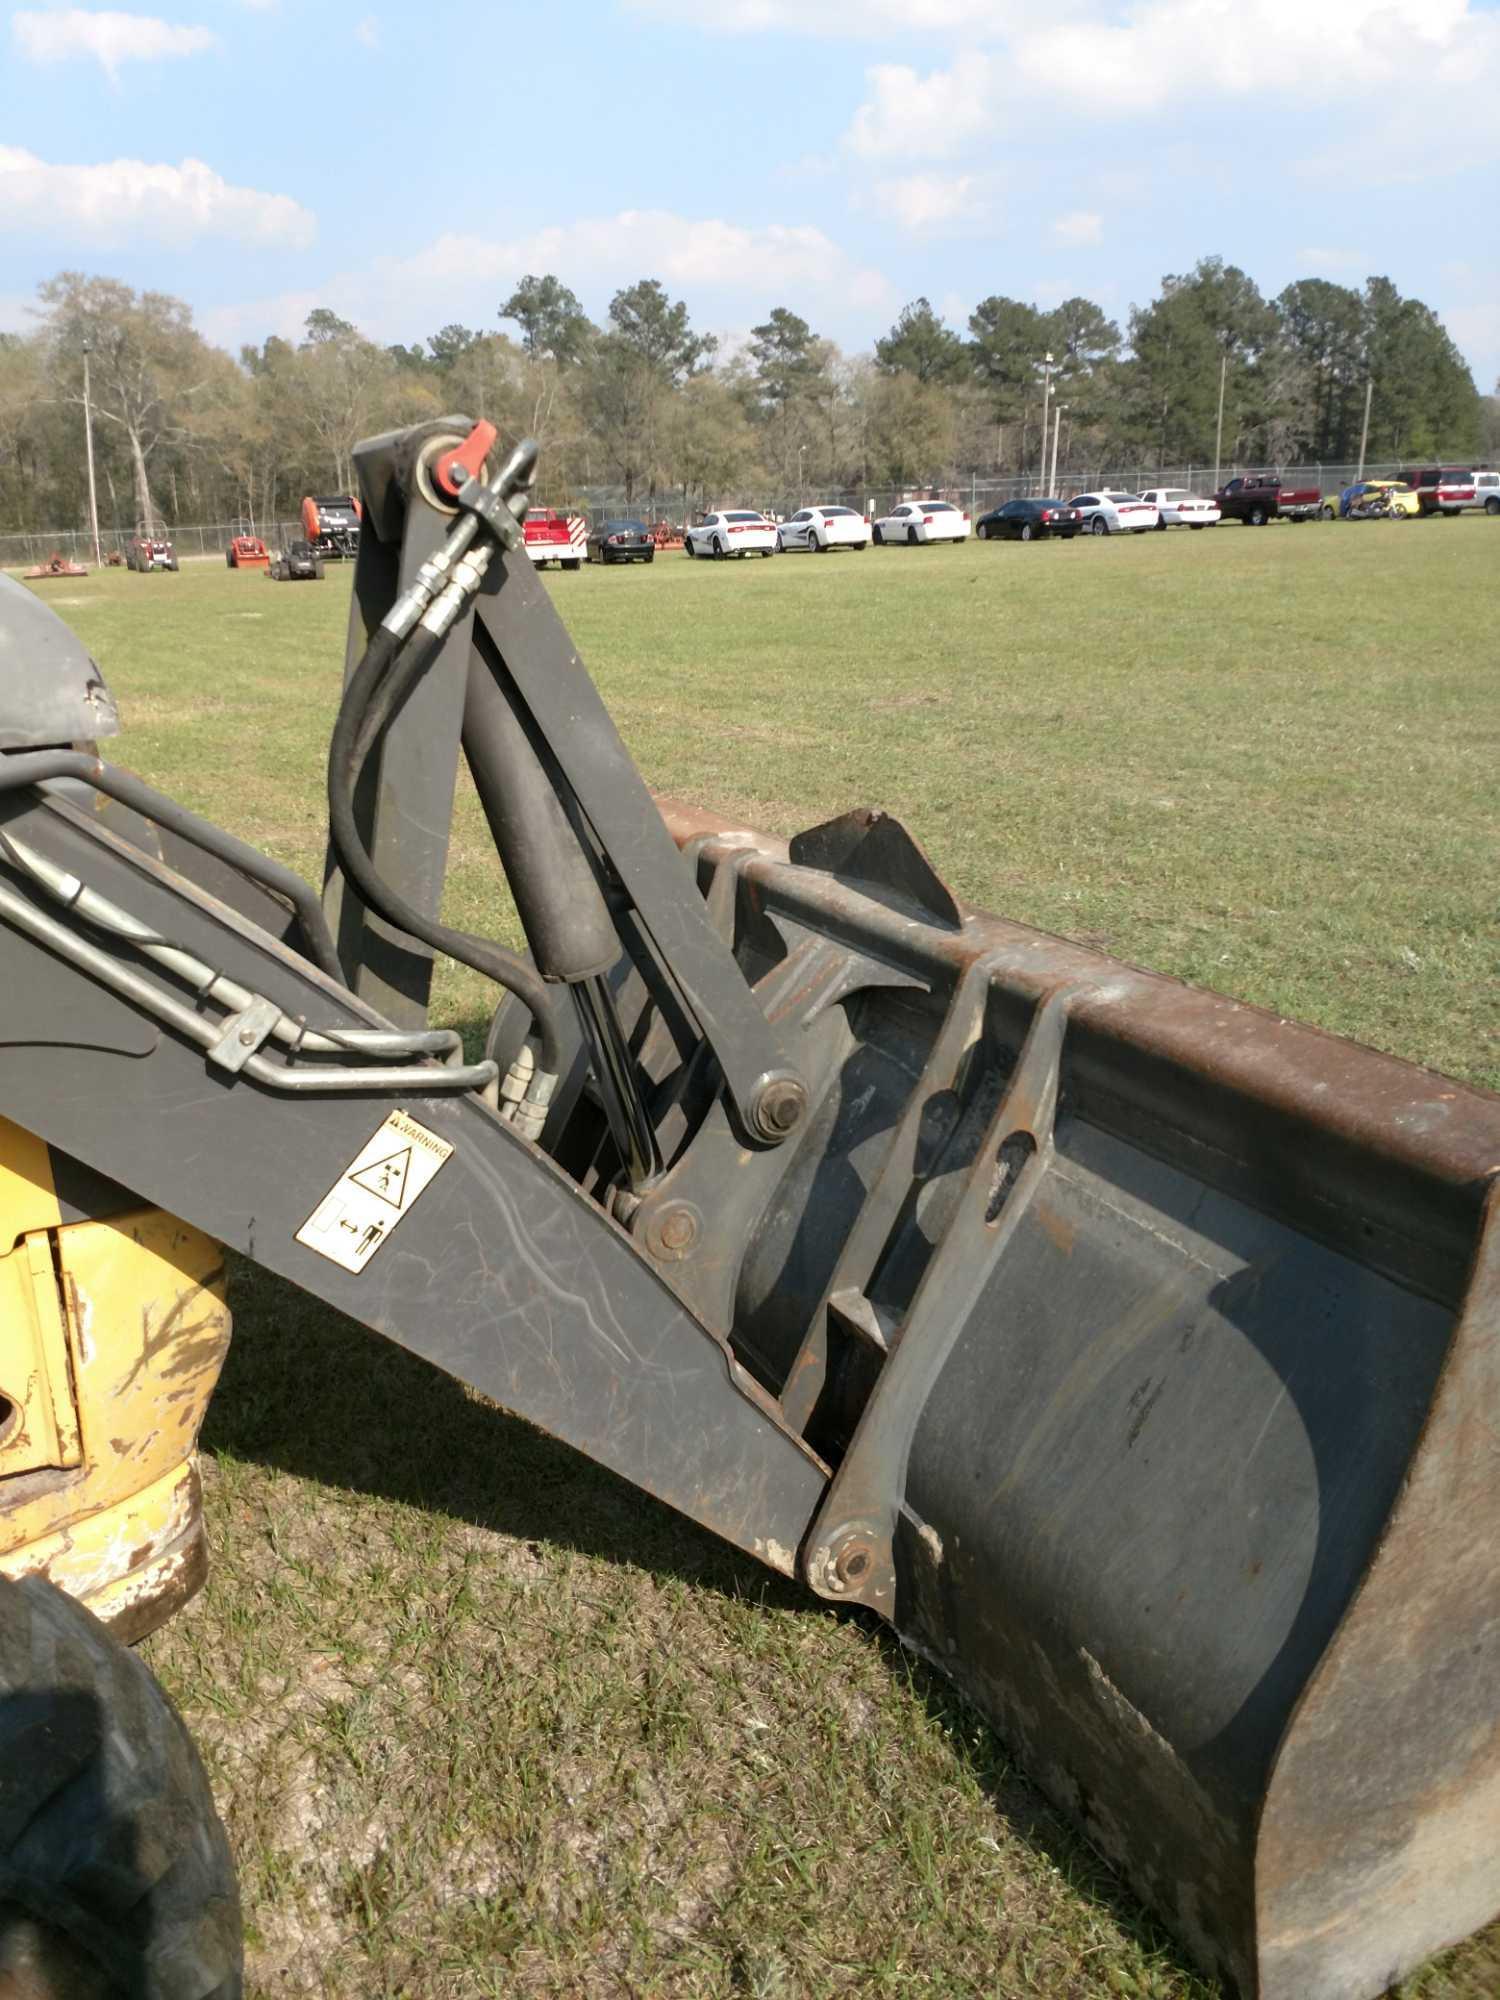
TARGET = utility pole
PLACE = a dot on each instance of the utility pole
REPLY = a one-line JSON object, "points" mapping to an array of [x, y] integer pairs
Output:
{"points": [[1364, 429], [1219, 431], [88, 438], [1057, 417], [1046, 401]]}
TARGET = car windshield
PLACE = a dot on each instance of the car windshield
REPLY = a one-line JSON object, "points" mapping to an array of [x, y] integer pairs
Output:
{"points": [[938, 507], [743, 517]]}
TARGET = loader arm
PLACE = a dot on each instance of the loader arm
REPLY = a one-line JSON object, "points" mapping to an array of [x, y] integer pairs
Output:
{"points": [[1132, 1352]]}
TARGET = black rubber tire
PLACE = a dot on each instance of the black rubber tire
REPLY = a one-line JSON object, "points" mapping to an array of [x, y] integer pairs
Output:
{"points": [[1098, 526], [1027, 532], [116, 1878], [1256, 517], [981, 531], [718, 549], [318, 571], [229, 559], [911, 538], [687, 548], [1492, 505], [1161, 525], [877, 538]]}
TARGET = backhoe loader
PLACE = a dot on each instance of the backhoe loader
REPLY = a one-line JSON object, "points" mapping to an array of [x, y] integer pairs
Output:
{"points": [[1134, 1353]]}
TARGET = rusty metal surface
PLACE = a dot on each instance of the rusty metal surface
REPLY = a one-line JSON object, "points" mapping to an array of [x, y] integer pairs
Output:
{"points": [[1174, 1439]]}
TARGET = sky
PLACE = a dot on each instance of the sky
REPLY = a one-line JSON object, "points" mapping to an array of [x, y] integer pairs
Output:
{"points": [[405, 165]]}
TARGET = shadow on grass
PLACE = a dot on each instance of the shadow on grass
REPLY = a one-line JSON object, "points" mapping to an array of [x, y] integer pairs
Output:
{"points": [[315, 1395]]}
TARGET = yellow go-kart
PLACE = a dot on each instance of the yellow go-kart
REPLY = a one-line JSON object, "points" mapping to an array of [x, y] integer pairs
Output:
{"points": [[1379, 500]]}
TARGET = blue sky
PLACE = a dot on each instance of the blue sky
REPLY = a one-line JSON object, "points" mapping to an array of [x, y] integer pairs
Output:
{"points": [[406, 165]]}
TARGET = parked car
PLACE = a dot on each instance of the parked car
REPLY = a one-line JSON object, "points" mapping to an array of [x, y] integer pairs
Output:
{"points": [[1259, 497], [621, 541], [295, 563], [247, 552], [1452, 489], [1110, 513], [1029, 521], [916, 521], [552, 537], [1177, 508], [731, 531], [819, 529], [146, 553], [1377, 500]]}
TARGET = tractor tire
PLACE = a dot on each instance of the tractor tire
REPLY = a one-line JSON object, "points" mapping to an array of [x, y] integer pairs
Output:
{"points": [[172, 565], [229, 562], [116, 1878]]}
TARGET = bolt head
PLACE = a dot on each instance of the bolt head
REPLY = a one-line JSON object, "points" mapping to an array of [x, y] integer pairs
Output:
{"points": [[780, 1107], [247, 1036]]}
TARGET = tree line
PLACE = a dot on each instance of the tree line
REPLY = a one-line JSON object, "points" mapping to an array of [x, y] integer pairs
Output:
{"points": [[646, 405]]}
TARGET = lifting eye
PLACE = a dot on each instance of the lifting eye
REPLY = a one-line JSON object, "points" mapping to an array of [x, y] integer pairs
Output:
{"points": [[10, 1418]]}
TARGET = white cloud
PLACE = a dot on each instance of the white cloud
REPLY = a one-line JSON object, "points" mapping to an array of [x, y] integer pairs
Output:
{"points": [[70, 34], [367, 32], [715, 265], [932, 116], [1113, 61], [922, 202], [1163, 51], [1078, 230], [123, 201], [867, 20]]}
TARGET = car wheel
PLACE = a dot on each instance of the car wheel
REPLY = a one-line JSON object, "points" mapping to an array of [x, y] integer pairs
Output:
{"points": [[1098, 526], [1257, 517], [911, 538], [877, 538], [1161, 526], [718, 549], [318, 572], [1028, 533], [1492, 505]]}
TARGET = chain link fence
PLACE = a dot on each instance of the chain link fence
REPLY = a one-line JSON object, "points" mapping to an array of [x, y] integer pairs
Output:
{"points": [[975, 492]]}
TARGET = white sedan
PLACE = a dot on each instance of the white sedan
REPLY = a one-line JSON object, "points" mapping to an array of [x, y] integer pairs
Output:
{"points": [[819, 529], [922, 521], [1110, 513], [1177, 508], [733, 531]]}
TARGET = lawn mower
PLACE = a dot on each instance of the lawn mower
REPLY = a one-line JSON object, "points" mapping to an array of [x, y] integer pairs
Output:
{"points": [[1133, 1353]]}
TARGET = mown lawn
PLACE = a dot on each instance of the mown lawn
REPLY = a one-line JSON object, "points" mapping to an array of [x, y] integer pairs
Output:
{"points": [[484, 1721]]}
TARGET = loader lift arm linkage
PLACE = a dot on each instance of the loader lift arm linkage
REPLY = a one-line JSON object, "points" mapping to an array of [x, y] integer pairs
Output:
{"points": [[1134, 1353]]}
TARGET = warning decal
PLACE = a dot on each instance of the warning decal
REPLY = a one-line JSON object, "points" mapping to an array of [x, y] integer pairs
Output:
{"points": [[374, 1191]]}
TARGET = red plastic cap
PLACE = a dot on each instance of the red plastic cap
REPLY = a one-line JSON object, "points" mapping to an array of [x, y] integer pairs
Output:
{"points": [[455, 467]]}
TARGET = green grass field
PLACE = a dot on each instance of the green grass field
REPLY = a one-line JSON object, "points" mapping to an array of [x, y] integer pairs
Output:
{"points": [[484, 1721]]}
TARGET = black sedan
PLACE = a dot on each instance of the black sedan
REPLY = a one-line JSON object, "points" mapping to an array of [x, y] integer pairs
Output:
{"points": [[621, 541], [1029, 521]]}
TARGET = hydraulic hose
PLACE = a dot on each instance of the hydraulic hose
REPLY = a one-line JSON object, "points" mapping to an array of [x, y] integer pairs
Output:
{"points": [[368, 703]]}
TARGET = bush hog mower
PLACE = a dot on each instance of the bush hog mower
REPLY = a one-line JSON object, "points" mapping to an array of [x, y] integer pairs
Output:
{"points": [[55, 565], [1132, 1352], [331, 523]]}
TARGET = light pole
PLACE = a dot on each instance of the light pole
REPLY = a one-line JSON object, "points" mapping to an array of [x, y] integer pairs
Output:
{"points": [[801, 482], [1219, 432], [88, 438], [1056, 434], [1364, 429], [1046, 401]]}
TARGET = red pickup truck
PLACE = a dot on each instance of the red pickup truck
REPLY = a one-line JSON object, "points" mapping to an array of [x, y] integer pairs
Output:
{"points": [[1260, 497], [549, 538]]}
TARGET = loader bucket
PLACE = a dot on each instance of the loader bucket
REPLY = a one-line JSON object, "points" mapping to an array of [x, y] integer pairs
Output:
{"points": [[1153, 1343]]}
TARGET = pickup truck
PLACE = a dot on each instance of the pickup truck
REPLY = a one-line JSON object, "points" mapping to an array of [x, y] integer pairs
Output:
{"points": [[1260, 497], [552, 537]]}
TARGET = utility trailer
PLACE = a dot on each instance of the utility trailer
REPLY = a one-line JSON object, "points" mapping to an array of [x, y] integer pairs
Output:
{"points": [[331, 524], [1133, 1353]]}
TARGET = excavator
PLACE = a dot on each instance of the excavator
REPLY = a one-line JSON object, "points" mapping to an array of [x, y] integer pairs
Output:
{"points": [[1133, 1353]]}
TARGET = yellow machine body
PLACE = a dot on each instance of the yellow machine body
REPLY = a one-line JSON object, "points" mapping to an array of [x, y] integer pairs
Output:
{"points": [[112, 1335]]}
